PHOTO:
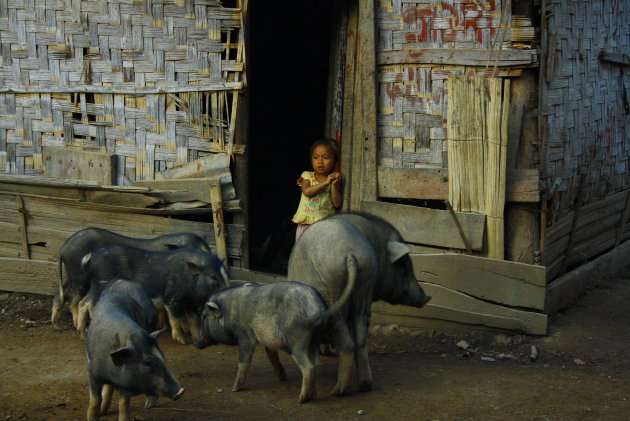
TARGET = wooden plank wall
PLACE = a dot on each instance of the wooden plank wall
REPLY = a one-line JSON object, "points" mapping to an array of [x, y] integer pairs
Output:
{"points": [[466, 292], [584, 127], [157, 85], [50, 221]]}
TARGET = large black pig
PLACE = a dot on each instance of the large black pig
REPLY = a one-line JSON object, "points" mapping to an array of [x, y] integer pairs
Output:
{"points": [[73, 286], [287, 316], [123, 355], [323, 258], [181, 280]]}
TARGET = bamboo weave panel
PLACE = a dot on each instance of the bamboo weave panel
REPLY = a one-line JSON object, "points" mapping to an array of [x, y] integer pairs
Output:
{"points": [[413, 98], [586, 128], [153, 82]]}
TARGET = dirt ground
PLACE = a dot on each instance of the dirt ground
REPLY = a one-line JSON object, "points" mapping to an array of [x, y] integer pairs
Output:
{"points": [[582, 372]]}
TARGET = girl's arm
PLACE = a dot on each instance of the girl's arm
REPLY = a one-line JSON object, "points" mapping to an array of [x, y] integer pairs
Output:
{"points": [[310, 191]]}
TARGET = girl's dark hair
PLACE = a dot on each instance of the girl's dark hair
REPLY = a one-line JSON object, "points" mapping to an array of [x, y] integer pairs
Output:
{"points": [[331, 143]]}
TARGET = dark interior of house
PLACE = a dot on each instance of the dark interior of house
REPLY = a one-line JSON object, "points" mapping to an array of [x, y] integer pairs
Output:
{"points": [[287, 82]]}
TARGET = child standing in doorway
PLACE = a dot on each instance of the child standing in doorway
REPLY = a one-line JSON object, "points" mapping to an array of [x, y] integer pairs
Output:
{"points": [[321, 188]]}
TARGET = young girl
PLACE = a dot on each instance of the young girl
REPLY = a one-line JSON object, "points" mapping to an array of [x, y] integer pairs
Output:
{"points": [[321, 188]]}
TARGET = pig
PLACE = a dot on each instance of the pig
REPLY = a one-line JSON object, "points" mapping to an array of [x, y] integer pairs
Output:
{"points": [[123, 355], [144, 314], [322, 258], [180, 280], [73, 287], [286, 316]]}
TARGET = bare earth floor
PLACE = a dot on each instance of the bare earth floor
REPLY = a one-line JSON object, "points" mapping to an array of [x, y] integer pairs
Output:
{"points": [[582, 372]]}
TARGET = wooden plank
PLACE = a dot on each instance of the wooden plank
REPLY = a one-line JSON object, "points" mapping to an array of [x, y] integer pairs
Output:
{"points": [[210, 166], [23, 226], [187, 189], [432, 184], [133, 200], [66, 192], [366, 133], [430, 226], [77, 164], [413, 183], [562, 292], [34, 276], [121, 89], [500, 281], [523, 185], [71, 217], [455, 306], [451, 57]]}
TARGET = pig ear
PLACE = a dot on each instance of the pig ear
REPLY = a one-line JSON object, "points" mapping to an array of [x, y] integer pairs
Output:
{"points": [[396, 250], [194, 266], [122, 355], [214, 309]]}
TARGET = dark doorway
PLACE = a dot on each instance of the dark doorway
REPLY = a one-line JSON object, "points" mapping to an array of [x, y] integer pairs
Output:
{"points": [[287, 81]]}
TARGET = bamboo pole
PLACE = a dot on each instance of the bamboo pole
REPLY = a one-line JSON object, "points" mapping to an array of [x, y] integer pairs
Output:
{"points": [[217, 220]]}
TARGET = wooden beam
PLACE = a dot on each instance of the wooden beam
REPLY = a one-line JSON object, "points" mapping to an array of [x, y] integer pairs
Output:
{"points": [[510, 283], [23, 226], [450, 57], [432, 184], [366, 133], [187, 189], [562, 292], [413, 183], [34, 276], [69, 163], [210, 166], [447, 304], [430, 226]]}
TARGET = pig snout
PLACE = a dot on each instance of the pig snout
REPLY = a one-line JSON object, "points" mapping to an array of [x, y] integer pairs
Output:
{"points": [[199, 343]]}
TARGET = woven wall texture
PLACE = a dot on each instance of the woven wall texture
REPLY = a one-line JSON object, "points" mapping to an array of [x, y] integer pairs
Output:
{"points": [[413, 96], [587, 128], [152, 81]]}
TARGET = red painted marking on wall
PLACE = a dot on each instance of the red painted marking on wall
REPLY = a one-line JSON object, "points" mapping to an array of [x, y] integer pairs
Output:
{"points": [[393, 91], [410, 74], [415, 55], [411, 38], [423, 36], [449, 35], [428, 12], [409, 14]]}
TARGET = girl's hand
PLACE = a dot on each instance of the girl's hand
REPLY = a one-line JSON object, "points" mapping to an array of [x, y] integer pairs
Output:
{"points": [[334, 178]]}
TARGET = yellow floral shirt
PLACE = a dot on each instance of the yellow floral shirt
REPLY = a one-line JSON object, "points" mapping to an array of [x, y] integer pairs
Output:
{"points": [[312, 209]]}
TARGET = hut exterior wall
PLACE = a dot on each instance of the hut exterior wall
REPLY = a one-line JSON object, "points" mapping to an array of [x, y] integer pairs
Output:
{"points": [[585, 128], [152, 82], [419, 46]]}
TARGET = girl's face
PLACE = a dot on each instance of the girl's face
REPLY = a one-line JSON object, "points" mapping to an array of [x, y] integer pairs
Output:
{"points": [[323, 160]]}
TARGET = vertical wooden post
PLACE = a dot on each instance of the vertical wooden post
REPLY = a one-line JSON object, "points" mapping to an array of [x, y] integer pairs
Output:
{"points": [[217, 220], [22, 213]]}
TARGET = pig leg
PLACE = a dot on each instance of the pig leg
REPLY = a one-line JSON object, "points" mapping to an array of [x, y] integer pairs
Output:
{"points": [[124, 407], [150, 401], [345, 346], [56, 312], [307, 364], [193, 325], [363, 364], [74, 309], [93, 412], [176, 329], [245, 353], [106, 398], [85, 309], [278, 368]]}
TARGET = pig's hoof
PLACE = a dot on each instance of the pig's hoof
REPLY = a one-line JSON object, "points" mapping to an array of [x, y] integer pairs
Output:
{"points": [[365, 387], [179, 338], [150, 402], [340, 391], [306, 398]]}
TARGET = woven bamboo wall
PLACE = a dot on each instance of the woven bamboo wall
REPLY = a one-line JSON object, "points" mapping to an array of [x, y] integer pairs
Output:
{"points": [[154, 82], [413, 96], [586, 128]]}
